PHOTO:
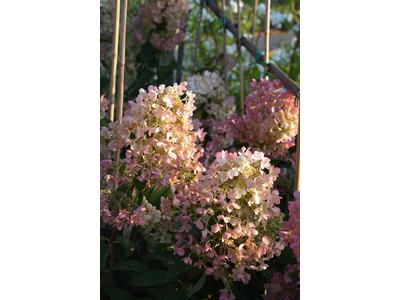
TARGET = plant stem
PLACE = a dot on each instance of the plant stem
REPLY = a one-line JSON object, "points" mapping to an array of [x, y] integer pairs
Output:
{"points": [[195, 272], [112, 257], [158, 68]]}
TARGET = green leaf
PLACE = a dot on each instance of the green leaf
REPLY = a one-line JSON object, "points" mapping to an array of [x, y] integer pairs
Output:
{"points": [[103, 278], [164, 252], [198, 285], [163, 289], [150, 191], [194, 231], [105, 250], [166, 58], [164, 192], [285, 260], [123, 187], [103, 238], [104, 123], [291, 182], [102, 223], [295, 275], [152, 278], [139, 185], [118, 294], [122, 168], [178, 267], [126, 235], [131, 265], [145, 51], [178, 294], [177, 225], [140, 198]]}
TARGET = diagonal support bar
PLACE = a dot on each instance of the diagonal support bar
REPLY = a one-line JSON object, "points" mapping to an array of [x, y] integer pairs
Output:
{"points": [[271, 68]]}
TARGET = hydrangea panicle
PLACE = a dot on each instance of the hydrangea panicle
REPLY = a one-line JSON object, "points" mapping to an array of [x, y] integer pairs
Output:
{"points": [[158, 130], [232, 210], [271, 119], [165, 21]]}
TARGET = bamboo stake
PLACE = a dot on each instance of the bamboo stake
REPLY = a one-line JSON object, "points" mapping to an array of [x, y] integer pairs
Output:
{"points": [[229, 10], [121, 73], [297, 164], [114, 59], [198, 37], [119, 108], [240, 61], [266, 40], [272, 68], [225, 58], [253, 39]]}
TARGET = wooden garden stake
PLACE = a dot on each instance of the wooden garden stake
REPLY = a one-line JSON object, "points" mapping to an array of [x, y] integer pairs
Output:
{"points": [[229, 9], [119, 114], [253, 39], [198, 36], [297, 163], [239, 36], [266, 41], [114, 59], [121, 73], [225, 58]]}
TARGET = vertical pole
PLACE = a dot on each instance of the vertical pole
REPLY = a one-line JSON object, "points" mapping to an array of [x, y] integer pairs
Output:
{"points": [[119, 112], [198, 36], [253, 39], [114, 59], [297, 163], [225, 58], [267, 22], [121, 73], [240, 61]]}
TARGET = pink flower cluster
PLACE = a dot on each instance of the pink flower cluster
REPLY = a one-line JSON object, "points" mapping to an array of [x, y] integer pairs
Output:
{"points": [[282, 287], [233, 210], [291, 228], [271, 119], [130, 214], [158, 130], [103, 107], [153, 14], [118, 217], [221, 138]]}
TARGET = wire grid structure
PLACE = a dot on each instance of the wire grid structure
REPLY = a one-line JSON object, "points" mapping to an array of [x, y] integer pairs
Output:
{"points": [[271, 68]]}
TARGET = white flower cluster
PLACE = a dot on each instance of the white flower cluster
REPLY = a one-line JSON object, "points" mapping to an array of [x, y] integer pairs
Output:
{"points": [[151, 215], [211, 86]]}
